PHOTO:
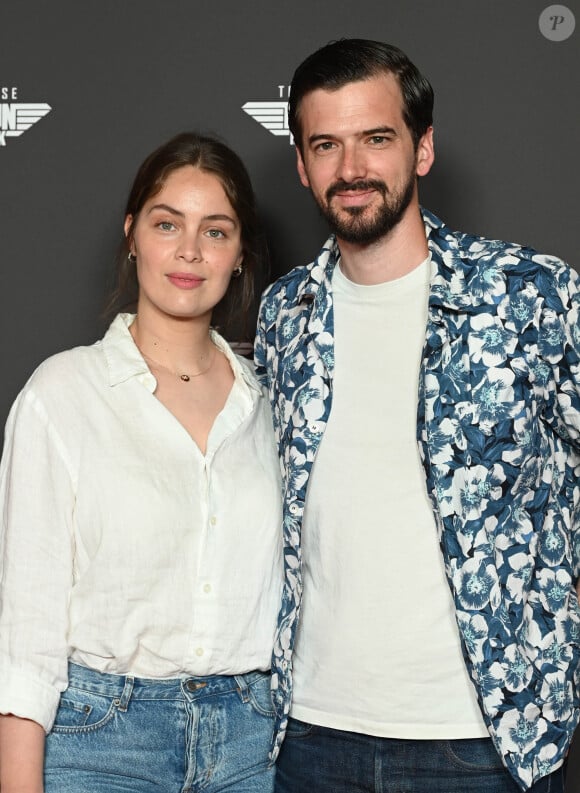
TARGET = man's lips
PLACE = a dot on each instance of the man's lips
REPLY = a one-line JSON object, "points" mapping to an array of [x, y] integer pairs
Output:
{"points": [[356, 193], [354, 197], [185, 280]]}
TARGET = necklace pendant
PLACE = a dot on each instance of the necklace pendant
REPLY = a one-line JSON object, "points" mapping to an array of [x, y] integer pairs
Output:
{"points": [[184, 377]]}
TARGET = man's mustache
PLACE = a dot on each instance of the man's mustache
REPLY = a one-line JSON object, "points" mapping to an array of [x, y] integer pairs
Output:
{"points": [[361, 184]]}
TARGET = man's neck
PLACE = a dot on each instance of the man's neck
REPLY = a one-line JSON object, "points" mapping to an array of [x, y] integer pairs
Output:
{"points": [[390, 257]]}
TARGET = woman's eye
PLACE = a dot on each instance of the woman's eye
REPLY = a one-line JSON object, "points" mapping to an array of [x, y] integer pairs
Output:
{"points": [[165, 225], [216, 234]]}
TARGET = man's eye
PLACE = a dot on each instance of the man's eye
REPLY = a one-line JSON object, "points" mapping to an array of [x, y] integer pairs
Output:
{"points": [[326, 145]]}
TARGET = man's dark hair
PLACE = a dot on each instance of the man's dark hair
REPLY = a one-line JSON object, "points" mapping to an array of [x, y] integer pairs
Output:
{"points": [[350, 60]]}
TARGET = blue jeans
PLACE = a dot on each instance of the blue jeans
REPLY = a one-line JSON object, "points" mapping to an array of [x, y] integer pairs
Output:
{"points": [[320, 760], [133, 735]]}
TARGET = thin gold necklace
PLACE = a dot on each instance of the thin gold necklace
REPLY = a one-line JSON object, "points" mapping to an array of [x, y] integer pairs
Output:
{"points": [[182, 376]]}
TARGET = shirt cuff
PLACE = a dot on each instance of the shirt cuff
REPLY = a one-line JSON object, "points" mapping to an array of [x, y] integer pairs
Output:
{"points": [[28, 697]]}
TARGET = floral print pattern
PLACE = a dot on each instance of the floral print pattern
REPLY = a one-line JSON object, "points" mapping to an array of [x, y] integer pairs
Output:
{"points": [[498, 427]]}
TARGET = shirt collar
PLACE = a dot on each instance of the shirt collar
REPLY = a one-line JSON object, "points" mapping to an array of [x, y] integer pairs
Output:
{"points": [[467, 271], [122, 355], [453, 267], [242, 368], [124, 360], [320, 271]]}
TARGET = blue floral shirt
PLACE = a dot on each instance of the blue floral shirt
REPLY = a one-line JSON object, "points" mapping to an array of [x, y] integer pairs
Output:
{"points": [[498, 428]]}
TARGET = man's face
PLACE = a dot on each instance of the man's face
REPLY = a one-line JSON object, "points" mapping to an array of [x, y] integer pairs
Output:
{"points": [[358, 157]]}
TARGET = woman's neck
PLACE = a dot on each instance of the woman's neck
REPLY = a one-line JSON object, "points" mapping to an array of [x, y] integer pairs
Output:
{"points": [[176, 344]]}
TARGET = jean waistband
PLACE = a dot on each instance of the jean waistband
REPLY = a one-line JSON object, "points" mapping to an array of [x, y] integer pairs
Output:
{"points": [[125, 687]]}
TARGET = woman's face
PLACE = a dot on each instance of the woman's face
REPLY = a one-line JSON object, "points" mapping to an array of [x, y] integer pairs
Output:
{"points": [[187, 240]]}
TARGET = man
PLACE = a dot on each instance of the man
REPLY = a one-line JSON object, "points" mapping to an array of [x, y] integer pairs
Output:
{"points": [[438, 644]]}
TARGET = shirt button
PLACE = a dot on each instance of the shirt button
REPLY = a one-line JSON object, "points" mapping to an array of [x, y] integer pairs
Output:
{"points": [[213, 520], [199, 652], [207, 588]]}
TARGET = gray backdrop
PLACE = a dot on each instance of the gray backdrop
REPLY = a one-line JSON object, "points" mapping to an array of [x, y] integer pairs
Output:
{"points": [[122, 76]]}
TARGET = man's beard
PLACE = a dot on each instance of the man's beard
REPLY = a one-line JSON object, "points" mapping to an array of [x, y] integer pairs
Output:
{"points": [[357, 228]]}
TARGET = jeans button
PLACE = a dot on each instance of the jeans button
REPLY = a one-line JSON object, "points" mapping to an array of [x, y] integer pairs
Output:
{"points": [[192, 685]]}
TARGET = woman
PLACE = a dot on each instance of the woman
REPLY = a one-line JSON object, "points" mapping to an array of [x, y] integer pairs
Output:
{"points": [[140, 500]]}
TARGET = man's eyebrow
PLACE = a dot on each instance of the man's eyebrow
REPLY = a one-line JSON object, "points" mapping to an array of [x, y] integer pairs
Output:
{"points": [[380, 131], [321, 136], [384, 130]]}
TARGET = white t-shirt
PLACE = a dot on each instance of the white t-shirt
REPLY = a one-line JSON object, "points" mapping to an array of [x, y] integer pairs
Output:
{"points": [[378, 649]]}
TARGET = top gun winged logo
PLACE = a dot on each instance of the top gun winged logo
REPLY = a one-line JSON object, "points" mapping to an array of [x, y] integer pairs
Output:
{"points": [[273, 116], [17, 117]]}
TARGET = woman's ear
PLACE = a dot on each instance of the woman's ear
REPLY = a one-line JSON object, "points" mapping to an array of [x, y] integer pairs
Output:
{"points": [[127, 229]]}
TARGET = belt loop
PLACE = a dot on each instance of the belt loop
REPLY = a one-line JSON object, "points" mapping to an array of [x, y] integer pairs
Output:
{"points": [[126, 695], [243, 688]]}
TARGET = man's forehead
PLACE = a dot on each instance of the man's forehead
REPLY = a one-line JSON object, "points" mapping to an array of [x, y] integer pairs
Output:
{"points": [[377, 99]]}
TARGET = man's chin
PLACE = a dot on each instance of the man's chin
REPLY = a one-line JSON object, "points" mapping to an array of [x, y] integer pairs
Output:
{"points": [[362, 239], [355, 228]]}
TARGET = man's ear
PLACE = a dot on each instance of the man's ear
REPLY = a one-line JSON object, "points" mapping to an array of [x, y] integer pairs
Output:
{"points": [[425, 153], [301, 169]]}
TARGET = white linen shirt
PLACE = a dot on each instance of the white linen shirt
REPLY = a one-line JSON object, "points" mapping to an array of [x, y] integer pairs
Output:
{"points": [[124, 548]]}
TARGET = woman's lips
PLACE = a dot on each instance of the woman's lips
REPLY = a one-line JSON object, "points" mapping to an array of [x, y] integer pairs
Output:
{"points": [[185, 280]]}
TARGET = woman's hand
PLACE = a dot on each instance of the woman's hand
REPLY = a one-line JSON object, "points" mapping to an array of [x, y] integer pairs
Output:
{"points": [[21, 755]]}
